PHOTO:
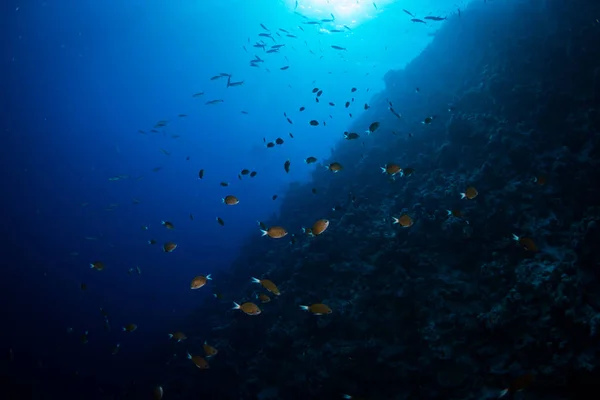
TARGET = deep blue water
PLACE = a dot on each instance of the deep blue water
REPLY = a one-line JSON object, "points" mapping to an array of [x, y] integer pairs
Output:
{"points": [[81, 79]]}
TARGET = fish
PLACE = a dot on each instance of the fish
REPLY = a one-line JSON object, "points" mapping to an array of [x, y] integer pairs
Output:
{"points": [[230, 200], [319, 227], [199, 281], [214, 101], [220, 221], [267, 284], [351, 136], [418, 21], [265, 28], [191, 216], [97, 265], [310, 160], [520, 383], [201, 174], [247, 308], [391, 169], [428, 120], [314, 122], [151, 241], [157, 393], [224, 184], [527, 243], [167, 224], [286, 166], [469, 194], [366, 106], [347, 104], [334, 167], [129, 328], [179, 336], [279, 141], [301, 109], [200, 362], [409, 13], [263, 298], [209, 350], [404, 221], [198, 94], [274, 197], [168, 247], [432, 18], [317, 309], [372, 128], [275, 232], [338, 48], [253, 174], [245, 171], [284, 67]]}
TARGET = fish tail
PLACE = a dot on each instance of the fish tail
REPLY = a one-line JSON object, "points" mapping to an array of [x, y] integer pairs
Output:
{"points": [[236, 306], [208, 277], [305, 308], [264, 233], [254, 280]]}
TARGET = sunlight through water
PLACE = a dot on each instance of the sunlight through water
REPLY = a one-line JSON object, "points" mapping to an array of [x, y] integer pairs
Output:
{"points": [[344, 11]]}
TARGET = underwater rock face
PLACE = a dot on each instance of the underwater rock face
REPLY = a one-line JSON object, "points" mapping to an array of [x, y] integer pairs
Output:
{"points": [[453, 306]]}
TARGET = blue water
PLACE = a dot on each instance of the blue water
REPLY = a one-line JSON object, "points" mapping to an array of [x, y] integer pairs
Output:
{"points": [[81, 79]]}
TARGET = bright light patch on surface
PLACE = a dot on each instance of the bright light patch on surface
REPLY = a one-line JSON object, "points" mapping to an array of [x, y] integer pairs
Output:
{"points": [[344, 11]]}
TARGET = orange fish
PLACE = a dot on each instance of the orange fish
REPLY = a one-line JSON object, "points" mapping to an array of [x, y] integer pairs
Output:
{"points": [[199, 281], [275, 232], [199, 361], [320, 226], [129, 328], [209, 350], [168, 225], [263, 298], [230, 200], [334, 167], [169, 247], [540, 180], [404, 221], [527, 243], [267, 284], [158, 393], [455, 213], [470, 193], [518, 384], [248, 308], [179, 336], [391, 169], [317, 309], [97, 265]]}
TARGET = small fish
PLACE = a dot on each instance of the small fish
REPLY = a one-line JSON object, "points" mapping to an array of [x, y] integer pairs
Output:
{"points": [[158, 393], [391, 169], [97, 265], [179, 336], [191, 217], [151, 241], [275, 232], [286, 166], [220, 221], [167, 224], [265, 28], [432, 18], [351, 136], [248, 308], [347, 104], [274, 197], [319, 93], [198, 94], [169, 247], [199, 281], [270, 145], [200, 362], [230, 200], [319, 227], [314, 122], [129, 328], [290, 121], [263, 298], [284, 68], [310, 160], [317, 309], [527, 243], [315, 90], [372, 128], [469, 194], [404, 221], [267, 284], [209, 350], [214, 102], [519, 384], [314, 191], [201, 174], [334, 167], [409, 13], [279, 141], [428, 120], [253, 174], [302, 109], [418, 21], [338, 48], [224, 184], [366, 106]]}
